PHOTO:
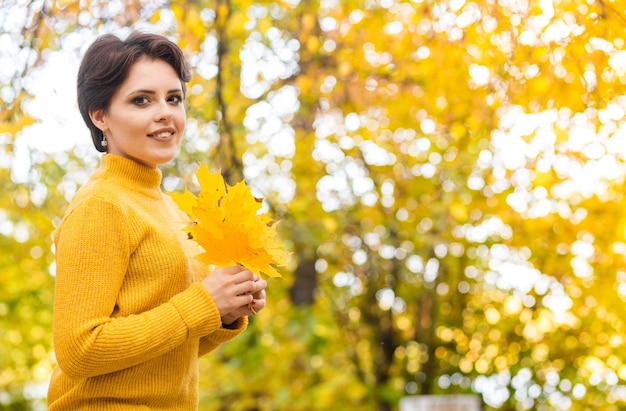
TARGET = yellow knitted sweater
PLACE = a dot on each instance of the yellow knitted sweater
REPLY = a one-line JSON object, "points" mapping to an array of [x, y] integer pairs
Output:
{"points": [[130, 316]]}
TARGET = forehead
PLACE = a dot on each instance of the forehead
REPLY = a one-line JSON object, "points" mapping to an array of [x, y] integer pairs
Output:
{"points": [[151, 74]]}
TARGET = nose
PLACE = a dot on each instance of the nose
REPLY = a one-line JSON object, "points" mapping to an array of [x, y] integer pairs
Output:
{"points": [[163, 112]]}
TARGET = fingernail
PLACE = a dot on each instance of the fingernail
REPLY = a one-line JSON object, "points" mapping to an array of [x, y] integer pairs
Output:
{"points": [[252, 302]]}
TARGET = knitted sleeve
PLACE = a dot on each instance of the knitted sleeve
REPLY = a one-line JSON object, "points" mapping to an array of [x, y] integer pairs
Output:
{"points": [[215, 339], [93, 250], [210, 342]]}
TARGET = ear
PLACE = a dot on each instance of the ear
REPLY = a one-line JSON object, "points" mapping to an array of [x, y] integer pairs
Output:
{"points": [[99, 119]]}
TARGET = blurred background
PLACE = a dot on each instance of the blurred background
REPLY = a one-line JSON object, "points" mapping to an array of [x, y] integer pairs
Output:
{"points": [[448, 174]]}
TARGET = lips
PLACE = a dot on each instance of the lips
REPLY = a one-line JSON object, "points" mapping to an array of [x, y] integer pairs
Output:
{"points": [[163, 133]]}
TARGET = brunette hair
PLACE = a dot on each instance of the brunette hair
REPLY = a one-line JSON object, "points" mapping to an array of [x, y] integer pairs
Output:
{"points": [[106, 64]]}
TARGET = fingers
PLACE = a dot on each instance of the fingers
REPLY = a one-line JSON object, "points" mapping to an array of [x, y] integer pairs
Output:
{"points": [[260, 294], [250, 282], [258, 303], [252, 307], [236, 291], [255, 306], [236, 273], [252, 286], [253, 302], [254, 291], [257, 287], [240, 279]]}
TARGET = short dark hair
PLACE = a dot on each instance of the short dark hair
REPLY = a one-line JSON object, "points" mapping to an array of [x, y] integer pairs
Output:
{"points": [[106, 64]]}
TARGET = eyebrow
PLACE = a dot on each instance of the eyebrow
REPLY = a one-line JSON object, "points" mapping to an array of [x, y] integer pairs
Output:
{"points": [[146, 91]]}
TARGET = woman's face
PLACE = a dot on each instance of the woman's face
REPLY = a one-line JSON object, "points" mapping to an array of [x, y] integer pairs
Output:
{"points": [[146, 117]]}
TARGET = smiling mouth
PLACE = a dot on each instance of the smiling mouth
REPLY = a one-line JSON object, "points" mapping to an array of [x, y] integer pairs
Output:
{"points": [[164, 134]]}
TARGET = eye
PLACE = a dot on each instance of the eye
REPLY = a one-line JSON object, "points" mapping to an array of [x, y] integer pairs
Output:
{"points": [[140, 100], [175, 99]]}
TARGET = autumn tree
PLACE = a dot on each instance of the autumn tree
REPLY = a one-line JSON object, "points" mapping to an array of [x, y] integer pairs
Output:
{"points": [[447, 174]]}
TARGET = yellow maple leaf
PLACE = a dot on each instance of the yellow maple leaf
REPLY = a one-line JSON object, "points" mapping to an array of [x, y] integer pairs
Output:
{"points": [[226, 224]]}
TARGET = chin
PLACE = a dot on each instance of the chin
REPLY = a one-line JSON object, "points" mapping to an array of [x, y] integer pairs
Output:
{"points": [[163, 160], [165, 157]]}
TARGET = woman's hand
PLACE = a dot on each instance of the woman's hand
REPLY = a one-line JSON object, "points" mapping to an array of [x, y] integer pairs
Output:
{"points": [[236, 292]]}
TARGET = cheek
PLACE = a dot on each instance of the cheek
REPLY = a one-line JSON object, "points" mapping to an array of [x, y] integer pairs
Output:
{"points": [[181, 120], [123, 122]]}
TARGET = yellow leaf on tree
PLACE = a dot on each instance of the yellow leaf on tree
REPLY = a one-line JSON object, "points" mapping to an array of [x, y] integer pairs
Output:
{"points": [[226, 224], [16, 125]]}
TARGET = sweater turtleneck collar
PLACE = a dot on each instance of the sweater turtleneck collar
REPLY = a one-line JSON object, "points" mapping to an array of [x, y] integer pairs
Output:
{"points": [[131, 174]]}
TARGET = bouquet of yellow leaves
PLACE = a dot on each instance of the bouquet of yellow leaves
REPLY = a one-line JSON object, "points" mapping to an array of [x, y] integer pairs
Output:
{"points": [[225, 223]]}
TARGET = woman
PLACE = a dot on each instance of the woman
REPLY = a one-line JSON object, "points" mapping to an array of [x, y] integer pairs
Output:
{"points": [[133, 309]]}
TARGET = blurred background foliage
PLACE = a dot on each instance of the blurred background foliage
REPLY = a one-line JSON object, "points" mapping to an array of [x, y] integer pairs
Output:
{"points": [[448, 173]]}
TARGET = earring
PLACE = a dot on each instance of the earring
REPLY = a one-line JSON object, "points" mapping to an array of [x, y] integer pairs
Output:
{"points": [[104, 143]]}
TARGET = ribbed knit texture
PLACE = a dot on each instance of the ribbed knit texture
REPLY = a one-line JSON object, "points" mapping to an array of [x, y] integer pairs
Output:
{"points": [[130, 317]]}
